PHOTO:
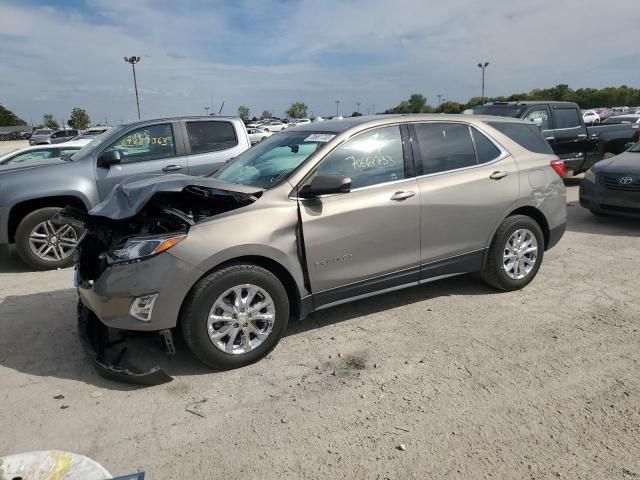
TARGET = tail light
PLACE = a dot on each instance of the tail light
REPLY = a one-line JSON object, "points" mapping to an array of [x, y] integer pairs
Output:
{"points": [[559, 168]]}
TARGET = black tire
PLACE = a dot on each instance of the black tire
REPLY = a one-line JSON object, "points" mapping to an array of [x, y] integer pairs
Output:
{"points": [[493, 272], [201, 299], [23, 233]]}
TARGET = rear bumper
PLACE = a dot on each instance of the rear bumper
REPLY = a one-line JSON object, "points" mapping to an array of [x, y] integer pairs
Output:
{"points": [[595, 197], [555, 234]]}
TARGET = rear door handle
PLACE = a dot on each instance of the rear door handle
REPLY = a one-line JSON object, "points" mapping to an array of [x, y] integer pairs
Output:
{"points": [[172, 168], [498, 175], [582, 135], [399, 196], [550, 138]]}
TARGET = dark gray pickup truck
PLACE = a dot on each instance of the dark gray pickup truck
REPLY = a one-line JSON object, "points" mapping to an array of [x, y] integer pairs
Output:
{"points": [[561, 123], [32, 193]]}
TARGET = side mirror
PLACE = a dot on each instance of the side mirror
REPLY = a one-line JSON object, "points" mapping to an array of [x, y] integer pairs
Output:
{"points": [[325, 185], [629, 145], [108, 158]]}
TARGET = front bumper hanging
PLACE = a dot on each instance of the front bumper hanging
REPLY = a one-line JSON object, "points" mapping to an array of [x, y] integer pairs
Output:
{"points": [[95, 338]]}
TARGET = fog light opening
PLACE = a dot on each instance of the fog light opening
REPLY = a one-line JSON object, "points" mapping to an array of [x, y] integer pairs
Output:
{"points": [[142, 307]]}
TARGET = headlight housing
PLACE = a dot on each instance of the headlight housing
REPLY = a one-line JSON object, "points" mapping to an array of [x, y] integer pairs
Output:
{"points": [[589, 176], [139, 248]]}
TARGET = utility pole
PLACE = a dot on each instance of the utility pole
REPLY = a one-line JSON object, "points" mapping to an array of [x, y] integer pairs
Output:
{"points": [[337, 108], [358, 105], [440, 99], [483, 67], [133, 60]]}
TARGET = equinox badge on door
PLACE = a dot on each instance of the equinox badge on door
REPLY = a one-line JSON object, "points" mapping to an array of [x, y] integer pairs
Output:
{"points": [[329, 261]]}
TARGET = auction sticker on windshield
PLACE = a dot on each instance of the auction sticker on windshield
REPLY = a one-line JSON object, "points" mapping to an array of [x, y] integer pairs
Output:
{"points": [[319, 137]]}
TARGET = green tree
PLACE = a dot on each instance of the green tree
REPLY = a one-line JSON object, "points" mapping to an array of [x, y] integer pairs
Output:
{"points": [[9, 119], [298, 110], [416, 103], [49, 122], [243, 112], [79, 119]]}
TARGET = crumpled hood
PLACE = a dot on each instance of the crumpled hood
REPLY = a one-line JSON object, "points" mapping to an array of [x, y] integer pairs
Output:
{"points": [[129, 197], [626, 162]]}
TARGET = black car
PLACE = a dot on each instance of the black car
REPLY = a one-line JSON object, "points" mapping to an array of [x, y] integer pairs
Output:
{"points": [[612, 186]]}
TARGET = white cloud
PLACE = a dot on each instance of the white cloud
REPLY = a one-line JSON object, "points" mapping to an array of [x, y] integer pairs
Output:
{"points": [[269, 53]]}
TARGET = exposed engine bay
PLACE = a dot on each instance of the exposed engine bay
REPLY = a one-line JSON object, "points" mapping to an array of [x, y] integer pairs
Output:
{"points": [[137, 212]]}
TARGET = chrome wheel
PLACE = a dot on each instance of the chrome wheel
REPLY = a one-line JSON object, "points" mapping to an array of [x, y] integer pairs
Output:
{"points": [[51, 242], [241, 319], [520, 254]]}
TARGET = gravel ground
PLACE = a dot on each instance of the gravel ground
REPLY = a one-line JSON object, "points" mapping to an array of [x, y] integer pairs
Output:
{"points": [[448, 380], [11, 145]]}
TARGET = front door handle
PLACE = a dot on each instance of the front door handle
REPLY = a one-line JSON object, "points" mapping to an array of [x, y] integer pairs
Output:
{"points": [[550, 138], [498, 175], [399, 196], [582, 135], [172, 168]]}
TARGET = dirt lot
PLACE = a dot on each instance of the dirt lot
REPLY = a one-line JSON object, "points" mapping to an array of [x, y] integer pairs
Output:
{"points": [[542, 383]]}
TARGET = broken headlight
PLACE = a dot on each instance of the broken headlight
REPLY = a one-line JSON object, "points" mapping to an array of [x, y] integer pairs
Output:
{"points": [[144, 247]]}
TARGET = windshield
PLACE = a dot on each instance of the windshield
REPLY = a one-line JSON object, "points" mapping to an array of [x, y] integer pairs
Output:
{"points": [[89, 146], [500, 111], [273, 160]]}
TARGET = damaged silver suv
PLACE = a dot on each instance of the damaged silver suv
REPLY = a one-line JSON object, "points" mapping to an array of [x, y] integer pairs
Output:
{"points": [[310, 218]]}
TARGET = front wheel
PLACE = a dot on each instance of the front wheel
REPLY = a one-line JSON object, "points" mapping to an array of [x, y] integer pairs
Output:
{"points": [[515, 254], [43, 244], [235, 316]]}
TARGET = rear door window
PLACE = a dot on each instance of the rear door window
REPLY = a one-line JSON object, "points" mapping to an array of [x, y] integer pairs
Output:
{"points": [[211, 136], [440, 147], [527, 136], [566, 118]]}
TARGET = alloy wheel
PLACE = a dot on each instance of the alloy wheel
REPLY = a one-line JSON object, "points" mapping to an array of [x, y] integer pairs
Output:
{"points": [[520, 254], [241, 319], [52, 242]]}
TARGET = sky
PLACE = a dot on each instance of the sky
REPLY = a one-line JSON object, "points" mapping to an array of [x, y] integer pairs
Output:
{"points": [[266, 54]]}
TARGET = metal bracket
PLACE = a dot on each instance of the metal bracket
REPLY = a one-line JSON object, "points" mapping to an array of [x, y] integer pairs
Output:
{"points": [[169, 346]]}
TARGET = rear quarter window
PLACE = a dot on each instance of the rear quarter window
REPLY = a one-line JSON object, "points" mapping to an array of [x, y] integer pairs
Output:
{"points": [[527, 136]]}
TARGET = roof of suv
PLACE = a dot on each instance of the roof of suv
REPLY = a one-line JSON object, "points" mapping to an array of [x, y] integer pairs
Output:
{"points": [[173, 119], [339, 126]]}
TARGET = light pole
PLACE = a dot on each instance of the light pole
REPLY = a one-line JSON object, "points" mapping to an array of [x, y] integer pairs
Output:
{"points": [[206, 110], [337, 108], [483, 67], [440, 99], [133, 60], [358, 104]]}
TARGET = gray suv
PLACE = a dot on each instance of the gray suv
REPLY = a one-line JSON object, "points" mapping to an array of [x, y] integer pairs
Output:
{"points": [[44, 137], [314, 217], [31, 193]]}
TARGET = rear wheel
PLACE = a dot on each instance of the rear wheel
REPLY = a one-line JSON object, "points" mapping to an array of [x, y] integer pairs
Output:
{"points": [[515, 254], [235, 316], [43, 244]]}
